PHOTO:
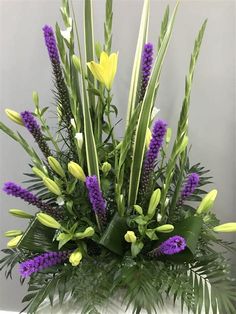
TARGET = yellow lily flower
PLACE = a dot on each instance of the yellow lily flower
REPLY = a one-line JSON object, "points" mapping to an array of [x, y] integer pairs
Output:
{"points": [[104, 71]]}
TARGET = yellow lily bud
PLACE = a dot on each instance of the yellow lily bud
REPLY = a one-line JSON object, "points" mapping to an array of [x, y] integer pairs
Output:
{"points": [[138, 209], [75, 257], [168, 135], [154, 201], [38, 173], [130, 237], [165, 228], [77, 63], [106, 167], [14, 242], [36, 98], [13, 233], [148, 137], [88, 232], [207, 202], [48, 221], [20, 213], [14, 116], [80, 140], [52, 186], [227, 227], [104, 71], [55, 165], [76, 171]]}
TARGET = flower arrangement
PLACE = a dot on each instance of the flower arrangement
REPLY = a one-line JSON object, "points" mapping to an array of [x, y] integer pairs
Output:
{"points": [[114, 216]]}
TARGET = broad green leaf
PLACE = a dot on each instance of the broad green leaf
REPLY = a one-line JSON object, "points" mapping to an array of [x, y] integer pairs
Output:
{"points": [[136, 248], [113, 237], [38, 238], [142, 38], [144, 117]]}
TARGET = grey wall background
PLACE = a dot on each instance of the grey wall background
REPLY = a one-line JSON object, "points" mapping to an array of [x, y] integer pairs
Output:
{"points": [[24, 67]]}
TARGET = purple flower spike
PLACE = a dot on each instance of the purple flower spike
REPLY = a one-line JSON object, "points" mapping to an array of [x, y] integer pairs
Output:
{"points": [[51, 44], [43, 261], [158, 133], [10, 188], [171, 246], [147, 59], [96, 198], [190, 186], [31, 124]]}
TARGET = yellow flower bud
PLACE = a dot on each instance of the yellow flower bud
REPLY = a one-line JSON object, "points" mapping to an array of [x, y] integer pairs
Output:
{"points": [[48, 221], [207, 202], [55, 165], [14, 116], [88, 232], [168, 135], [227, 227], [20, 213], [130, 237], [165, 228], [75, 257], [154, 201], [36, 98], [14, 242], [52, 186], [76, 171], [38, 173], [106, 167], [138, 209], [13, 233], [148, 137]]}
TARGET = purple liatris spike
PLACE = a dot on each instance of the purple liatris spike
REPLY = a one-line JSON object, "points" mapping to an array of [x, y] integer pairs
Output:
{"points": [[190, 186], [158, 133], [62, 91], [147, 59], [96, 198], [31, 124], [43, 261], [51, 44], [10, 188], [171, 246]]}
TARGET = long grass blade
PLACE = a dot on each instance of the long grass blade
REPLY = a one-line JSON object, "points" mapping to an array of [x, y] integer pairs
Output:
{"points": [[144, 118], [142, 38]]}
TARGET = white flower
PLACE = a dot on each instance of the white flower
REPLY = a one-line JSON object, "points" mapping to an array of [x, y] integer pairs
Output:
{"points": [[154, 112], [60, 201], [159, 217], [79, 137]]}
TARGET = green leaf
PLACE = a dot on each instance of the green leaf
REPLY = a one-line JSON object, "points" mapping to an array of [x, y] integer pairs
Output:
{"points": [[142, 38], [113, 237], [136, 248], [38, 238], [89, 43], [151, 234], [144, 117]]}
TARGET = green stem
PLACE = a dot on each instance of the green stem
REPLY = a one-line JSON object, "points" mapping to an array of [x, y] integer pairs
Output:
{"points": [[49, 134]]}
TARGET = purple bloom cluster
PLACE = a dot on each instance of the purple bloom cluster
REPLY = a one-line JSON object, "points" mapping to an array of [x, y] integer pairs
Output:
{"points": [[158, 133], [38, 263], [10, 188], [51, 44], [171, 246], [147, 59], [31, 124], [190, 186], [96, 198]]}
